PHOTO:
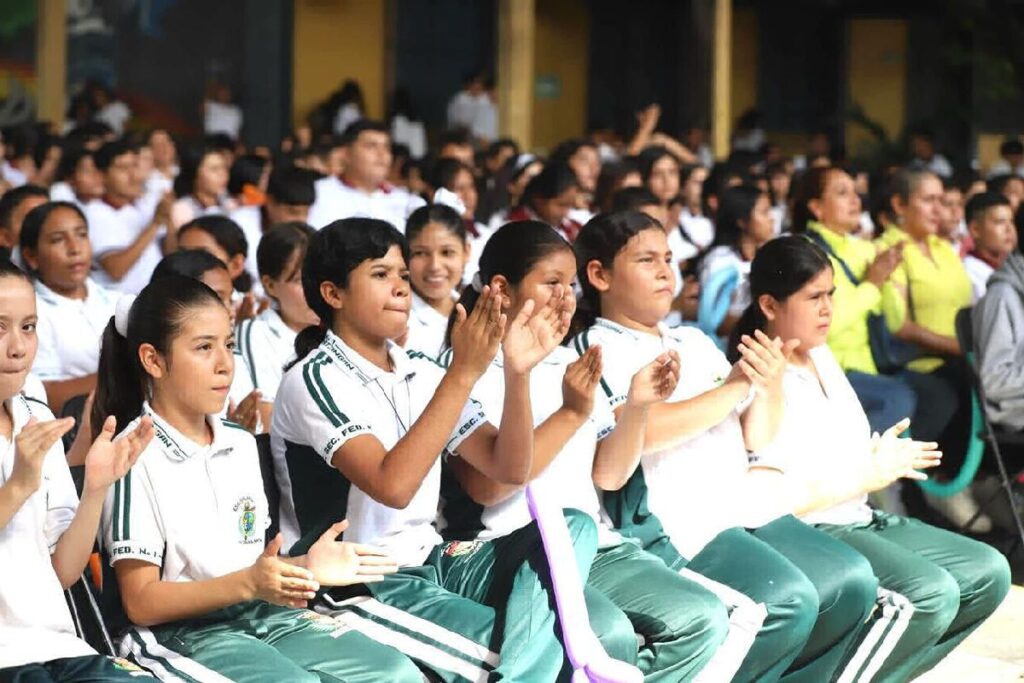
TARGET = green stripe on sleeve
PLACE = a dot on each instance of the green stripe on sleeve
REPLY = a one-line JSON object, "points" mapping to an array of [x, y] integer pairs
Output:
{"points": [[319, 380], [247, 348], [315, 394], [116, 515], [126, 515]]}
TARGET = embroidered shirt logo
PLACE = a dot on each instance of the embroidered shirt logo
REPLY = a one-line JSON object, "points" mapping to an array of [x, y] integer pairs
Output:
{"points": [[460, 548], [320, 622], [246, 510]]}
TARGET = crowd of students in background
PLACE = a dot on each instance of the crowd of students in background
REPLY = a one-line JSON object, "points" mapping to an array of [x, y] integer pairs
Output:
{"points": [[421, 331]]}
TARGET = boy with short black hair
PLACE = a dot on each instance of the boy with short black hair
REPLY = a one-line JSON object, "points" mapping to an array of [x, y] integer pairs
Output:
{"points": [[129, 236], [990, 222], [362, 189]]}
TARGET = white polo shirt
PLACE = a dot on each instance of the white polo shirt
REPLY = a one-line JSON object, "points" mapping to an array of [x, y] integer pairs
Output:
{"points": [[267, 345], [112, 230], [823, 430], [568, 480], [979, 272], [331, 396], [195, 511], [35, 624], [70, 331], [700, 228], [336, 199], [696, 488], [188, 208], [426, 327], [250, 220], [33, 388]]}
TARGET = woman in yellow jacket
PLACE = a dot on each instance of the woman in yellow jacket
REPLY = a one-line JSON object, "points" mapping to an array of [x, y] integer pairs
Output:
{"points": [[932, 286], [827, 210]]}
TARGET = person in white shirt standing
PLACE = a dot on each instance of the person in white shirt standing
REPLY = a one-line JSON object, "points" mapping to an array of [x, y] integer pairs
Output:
{"points": [[46, 532], [128, 240], [220, 114], [994, 236], [473, 109], [73, 308], [362, 190]]}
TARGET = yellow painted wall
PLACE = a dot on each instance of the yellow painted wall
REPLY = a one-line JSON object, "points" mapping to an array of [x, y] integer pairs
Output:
{"points": [[335, 40], [560, 49], [743, 87], [877, 75]]}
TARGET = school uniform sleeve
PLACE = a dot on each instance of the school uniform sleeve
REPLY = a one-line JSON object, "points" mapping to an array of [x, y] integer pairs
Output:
{"points": [[614, 384], [131, 524], [602, 417], [321, 410]]}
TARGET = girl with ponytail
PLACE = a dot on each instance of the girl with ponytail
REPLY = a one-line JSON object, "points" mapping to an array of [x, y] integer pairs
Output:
{"points": [[824, 461], [359, 430], [803, 596], [577, 449], [184, 528]]}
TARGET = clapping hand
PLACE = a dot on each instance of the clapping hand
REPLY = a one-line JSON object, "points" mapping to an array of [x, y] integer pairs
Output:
{"points": [[340, 563], [535, 333], [107, 460]]}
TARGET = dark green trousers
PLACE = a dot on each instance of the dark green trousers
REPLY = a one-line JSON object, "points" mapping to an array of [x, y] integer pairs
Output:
{"points": [[477, 610], [87, 669], [680, 623], [261, 643], [953, 583], [847, 594]]}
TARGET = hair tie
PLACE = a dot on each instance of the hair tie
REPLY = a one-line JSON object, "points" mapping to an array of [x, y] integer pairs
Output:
{"points": [[122, 313], [476, 283], [449, 199]]}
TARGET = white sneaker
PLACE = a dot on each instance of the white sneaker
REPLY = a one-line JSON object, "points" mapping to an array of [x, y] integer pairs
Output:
{"points": [[959, 509]]}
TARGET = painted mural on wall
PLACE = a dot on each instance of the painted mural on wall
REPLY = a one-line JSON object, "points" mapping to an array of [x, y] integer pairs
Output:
{"points": [[157, 56]]}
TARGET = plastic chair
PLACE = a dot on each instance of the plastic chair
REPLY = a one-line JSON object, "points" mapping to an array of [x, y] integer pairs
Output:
{"points": [[590, 662], [714, 301], [982, 433]]}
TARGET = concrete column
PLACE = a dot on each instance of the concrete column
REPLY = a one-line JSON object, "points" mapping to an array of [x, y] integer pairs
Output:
{"points": [[721, 79], [51, 61], [516, 36]]}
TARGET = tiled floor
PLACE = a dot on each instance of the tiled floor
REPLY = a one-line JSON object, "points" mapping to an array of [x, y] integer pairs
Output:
{"points": [[993, 654]]}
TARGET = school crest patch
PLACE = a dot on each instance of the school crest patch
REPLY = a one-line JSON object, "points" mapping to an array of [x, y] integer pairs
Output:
{"points": [[125, 665], [460, 548], [320, 622], [245, 508]]}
